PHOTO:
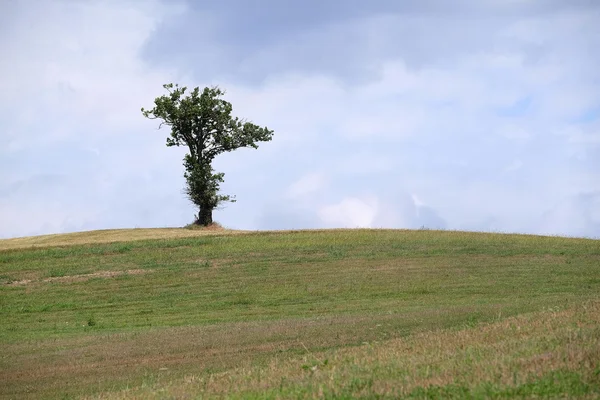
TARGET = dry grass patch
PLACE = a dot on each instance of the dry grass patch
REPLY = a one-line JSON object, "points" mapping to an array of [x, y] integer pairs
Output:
{"points": [[501, 356], [80, 277], [110, 236]]}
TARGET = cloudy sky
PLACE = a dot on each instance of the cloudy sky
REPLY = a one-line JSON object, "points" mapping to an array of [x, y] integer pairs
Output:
{"points": [[464, 115]]}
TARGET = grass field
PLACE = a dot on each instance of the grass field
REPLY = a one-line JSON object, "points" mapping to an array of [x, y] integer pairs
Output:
{"points": [[309, 314]]}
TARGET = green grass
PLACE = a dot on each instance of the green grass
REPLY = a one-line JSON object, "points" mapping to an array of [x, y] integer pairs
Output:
{"points": [[149, 318]]}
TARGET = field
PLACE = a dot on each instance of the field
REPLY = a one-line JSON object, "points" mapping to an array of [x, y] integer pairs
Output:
{"points": [[177, 313]]}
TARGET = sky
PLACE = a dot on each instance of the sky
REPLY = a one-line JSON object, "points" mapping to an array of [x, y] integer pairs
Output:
{"points": [[480, 115]]}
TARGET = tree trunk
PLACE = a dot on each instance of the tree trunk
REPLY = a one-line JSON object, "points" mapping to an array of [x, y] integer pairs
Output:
{"points": [[205, 216]]}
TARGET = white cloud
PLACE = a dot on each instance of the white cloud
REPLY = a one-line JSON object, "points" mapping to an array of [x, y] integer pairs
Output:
{"points": [[482, 117], [514, 166], [350, 213], [574, 216], [308, 184], [71, 103], [80, 66]]}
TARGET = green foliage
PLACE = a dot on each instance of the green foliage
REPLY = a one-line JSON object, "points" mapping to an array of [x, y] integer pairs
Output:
{"points": [[202, 121], [203, 185]]}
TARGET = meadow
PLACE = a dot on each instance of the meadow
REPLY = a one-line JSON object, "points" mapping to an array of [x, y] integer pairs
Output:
{"points": [[176, 313]]}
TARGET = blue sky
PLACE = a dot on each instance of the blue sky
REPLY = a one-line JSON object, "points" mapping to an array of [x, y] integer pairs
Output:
{"points": [[466, 115]]}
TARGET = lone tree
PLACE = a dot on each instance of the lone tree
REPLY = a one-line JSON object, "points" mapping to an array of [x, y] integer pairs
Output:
{"points": [[202, 121]]}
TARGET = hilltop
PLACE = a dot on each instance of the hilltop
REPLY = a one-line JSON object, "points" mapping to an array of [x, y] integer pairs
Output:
{"points": [[175, 313]]}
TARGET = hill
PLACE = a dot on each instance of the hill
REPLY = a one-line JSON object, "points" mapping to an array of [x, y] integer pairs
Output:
{"points": [[341, 313]]}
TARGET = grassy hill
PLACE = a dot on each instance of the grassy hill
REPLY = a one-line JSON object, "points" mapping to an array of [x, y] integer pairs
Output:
{"points": [[309, 314]]}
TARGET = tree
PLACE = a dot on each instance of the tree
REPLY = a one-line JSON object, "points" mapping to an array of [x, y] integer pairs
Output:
{"points": [[202, 121]]}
